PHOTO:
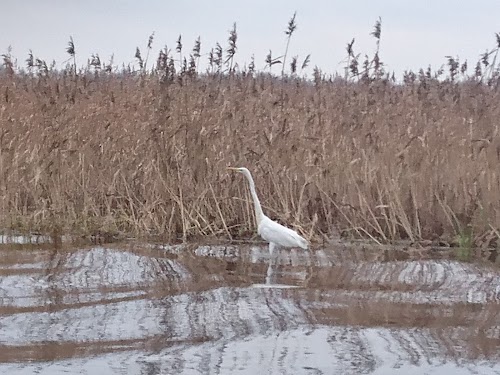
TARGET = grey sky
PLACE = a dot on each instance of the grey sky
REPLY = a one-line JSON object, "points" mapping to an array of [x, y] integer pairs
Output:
{"points": [[414, 33]]}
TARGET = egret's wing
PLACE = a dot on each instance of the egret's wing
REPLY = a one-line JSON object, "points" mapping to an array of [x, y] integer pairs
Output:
{"points": [[272, 231]]}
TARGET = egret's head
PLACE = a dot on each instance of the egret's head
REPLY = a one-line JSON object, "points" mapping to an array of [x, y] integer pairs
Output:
{"points": [[241, 170], [245, 172]]}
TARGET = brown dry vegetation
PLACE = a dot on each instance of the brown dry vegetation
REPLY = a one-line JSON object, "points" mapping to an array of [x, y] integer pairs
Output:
{"points": [[145, 153]]}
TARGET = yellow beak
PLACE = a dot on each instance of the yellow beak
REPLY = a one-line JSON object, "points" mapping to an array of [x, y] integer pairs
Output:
{"points": [[232, 169]]}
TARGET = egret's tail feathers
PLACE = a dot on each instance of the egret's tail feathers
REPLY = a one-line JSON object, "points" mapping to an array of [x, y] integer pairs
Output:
{"points": [[303, 243]]}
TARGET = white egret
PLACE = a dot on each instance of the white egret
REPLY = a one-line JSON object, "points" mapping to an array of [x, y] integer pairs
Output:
{"points": [[271, 231]]}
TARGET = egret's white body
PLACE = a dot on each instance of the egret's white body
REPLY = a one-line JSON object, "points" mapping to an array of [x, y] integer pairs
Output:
{"points": [[271, 231]]}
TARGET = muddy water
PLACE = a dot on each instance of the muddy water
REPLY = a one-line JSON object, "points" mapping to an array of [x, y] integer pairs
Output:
{"points": [[144, 309]]}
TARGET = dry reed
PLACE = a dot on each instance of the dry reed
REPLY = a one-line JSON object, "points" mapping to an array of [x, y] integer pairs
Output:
{"points": [[145, 152]]}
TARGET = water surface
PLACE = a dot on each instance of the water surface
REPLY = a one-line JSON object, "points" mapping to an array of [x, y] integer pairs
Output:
{"points": [[145, 309]]}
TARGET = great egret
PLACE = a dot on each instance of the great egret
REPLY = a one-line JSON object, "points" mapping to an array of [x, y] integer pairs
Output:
{"points": [[271, 231]]}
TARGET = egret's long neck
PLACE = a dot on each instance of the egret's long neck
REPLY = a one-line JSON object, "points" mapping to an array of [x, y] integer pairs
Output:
{"points": [[259, 215]]}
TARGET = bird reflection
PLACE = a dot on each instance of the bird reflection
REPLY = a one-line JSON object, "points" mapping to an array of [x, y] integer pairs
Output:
{"points": [[270, 275]]}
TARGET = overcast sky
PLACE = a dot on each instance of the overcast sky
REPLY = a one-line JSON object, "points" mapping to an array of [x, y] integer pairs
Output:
{"points": [[415, 34]]}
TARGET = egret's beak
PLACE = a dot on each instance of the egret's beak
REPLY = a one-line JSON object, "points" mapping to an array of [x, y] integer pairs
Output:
{"points": [[232, 169]]}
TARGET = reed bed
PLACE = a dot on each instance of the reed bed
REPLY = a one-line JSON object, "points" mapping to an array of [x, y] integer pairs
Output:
{"points": [[145, 152]]}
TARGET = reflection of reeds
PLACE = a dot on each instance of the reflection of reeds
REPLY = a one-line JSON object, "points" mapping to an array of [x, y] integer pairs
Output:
{"points": [[98, 149]]}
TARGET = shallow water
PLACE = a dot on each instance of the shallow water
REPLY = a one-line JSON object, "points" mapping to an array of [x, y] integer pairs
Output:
{"points": [[144, 309]]}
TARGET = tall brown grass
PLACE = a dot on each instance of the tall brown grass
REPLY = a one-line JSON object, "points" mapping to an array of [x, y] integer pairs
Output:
{"points": [[144, 153]]}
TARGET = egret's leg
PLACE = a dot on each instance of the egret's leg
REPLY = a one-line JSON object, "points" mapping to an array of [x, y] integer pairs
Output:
{"points": [[272, 247]]}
